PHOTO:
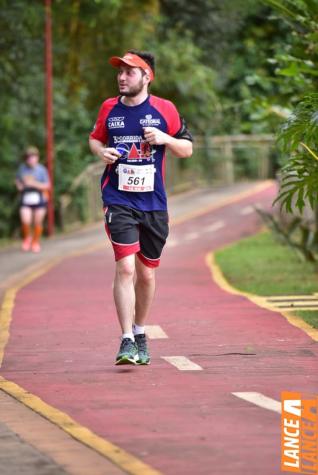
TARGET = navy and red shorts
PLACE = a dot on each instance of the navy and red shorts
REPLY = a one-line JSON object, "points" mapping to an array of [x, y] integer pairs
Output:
{"points": [[137, 232]]}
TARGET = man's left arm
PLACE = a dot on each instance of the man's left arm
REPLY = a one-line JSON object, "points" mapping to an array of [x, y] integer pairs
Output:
{"points": [[180, 145]]}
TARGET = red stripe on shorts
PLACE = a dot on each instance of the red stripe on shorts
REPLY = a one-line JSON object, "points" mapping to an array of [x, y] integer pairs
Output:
{"points": [[152, 263], [122, 250]]}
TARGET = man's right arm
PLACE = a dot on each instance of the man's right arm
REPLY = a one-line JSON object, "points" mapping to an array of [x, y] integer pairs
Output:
{"points": [[107, 154]]}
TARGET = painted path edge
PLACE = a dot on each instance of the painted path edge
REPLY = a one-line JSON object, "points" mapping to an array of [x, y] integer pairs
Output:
{"points": [[223, 283]]}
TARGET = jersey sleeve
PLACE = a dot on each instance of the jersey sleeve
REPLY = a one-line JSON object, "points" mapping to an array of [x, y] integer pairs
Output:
{"points": [[173, 119], [44, 176], [176, 125], [184, 132], [99, 131]]}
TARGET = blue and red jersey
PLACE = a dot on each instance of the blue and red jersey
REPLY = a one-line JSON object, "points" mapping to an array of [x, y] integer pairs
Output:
{"points": [[121, 127]]}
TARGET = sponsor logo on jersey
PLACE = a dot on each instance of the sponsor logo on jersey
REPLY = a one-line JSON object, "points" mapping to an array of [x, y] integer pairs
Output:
{"points": [[127, 138], [116, 122], [144, 152], [123, 149], [134, 153], [149, 121], [134, 148]]}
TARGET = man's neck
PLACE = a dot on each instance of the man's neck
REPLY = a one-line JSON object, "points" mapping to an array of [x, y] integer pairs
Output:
{"points": [[136, 100]]}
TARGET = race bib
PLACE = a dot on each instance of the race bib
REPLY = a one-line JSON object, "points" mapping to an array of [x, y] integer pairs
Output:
{"points": [[136, 178], [31, 198]]}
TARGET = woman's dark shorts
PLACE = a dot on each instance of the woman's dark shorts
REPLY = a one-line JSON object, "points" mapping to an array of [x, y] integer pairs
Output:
{"points": [[32, 198]]}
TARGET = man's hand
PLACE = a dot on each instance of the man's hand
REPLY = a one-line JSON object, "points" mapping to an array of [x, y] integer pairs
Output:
{"points": [[155, 136], [109, 155]]}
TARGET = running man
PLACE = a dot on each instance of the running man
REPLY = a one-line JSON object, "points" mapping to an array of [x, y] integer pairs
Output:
{"points": [[130, 136], [33, 183]]}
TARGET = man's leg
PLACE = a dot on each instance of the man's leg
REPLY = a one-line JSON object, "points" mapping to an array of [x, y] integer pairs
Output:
{"points": [[144, 290], [124, 296], [124, 292], [153, 233], [123, 231]]}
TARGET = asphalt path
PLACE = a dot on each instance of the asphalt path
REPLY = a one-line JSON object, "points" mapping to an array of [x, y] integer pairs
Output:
{"points": [[186, 412]]}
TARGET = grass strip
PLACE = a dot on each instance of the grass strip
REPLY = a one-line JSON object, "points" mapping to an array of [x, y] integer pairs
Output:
{"points": [[263, 266]]}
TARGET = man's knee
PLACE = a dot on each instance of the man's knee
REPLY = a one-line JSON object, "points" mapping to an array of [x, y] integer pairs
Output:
{"points": [[145, 275], [125, 268]]}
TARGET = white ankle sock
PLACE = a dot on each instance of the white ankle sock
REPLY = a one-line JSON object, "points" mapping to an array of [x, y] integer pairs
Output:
{"points": [[128, 335], [138, 330]]}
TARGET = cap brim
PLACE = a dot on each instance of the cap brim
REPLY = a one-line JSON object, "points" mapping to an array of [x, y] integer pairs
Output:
{"points": [[132, 61], [117, 61]]}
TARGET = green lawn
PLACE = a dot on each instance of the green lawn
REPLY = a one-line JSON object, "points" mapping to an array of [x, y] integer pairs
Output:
{"points": [[263, 266]]}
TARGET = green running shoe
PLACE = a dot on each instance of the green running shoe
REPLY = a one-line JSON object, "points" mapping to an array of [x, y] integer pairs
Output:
{"points": [[143, 353], [128, 352]]}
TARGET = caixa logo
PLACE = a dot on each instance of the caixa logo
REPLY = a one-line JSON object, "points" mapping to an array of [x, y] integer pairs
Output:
{"points": [[116, 122]]}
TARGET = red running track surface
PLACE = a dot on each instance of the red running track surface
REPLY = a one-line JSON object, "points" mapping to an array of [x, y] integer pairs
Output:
{"points": [[64, 338]]}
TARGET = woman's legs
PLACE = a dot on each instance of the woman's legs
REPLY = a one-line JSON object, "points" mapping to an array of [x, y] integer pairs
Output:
{"points": [[26, 222], [38, 215]]}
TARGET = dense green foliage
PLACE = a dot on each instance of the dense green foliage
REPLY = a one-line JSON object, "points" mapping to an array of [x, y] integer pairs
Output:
{"points": [[212, 61], [298, 137]]}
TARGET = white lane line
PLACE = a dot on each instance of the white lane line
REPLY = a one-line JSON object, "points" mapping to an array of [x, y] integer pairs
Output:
{"points": [[182, 363], [214, 227], [172, 243], [260, 400], [190, 236], [247, 210], [195, 235], [155, 332]]}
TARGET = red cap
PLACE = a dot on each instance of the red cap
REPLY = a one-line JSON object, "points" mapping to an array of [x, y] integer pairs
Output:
{"points": [[134, 61]]}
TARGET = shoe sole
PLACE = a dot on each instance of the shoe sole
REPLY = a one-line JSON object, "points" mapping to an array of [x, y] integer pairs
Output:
{"points": [[126, 360], [143, 362]]}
